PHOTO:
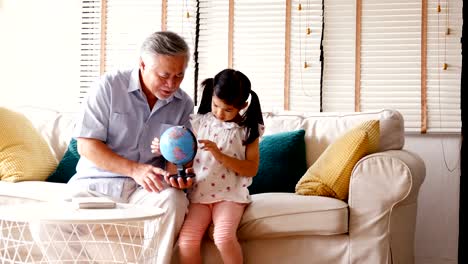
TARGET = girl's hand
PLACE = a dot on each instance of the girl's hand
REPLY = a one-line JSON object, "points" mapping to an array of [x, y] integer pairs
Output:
{"points": [[155, 148], [210, 146]]}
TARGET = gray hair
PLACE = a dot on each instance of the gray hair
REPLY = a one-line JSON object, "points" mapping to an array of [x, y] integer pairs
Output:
{"points": [[164, 43]]}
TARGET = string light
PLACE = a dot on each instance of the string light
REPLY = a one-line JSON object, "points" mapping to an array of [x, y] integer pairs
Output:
{"points": [[444, 67], [185, 20], [446, 31], [305, 33]]}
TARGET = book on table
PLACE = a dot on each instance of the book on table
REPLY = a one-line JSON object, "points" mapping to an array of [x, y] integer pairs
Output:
{"points": [[93, 203]]}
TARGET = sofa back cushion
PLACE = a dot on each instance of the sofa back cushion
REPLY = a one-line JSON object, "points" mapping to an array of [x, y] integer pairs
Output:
{"points": [[67, 166], [55, 127], [24, 155], [331, 173], [282, 162], [321, 129]]}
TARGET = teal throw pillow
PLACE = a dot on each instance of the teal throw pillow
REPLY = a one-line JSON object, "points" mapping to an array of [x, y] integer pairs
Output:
{"points": [[282, 163], [67, 166]]}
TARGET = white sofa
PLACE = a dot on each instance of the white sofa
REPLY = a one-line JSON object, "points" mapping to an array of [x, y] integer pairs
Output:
{"points": [[375, 225]]}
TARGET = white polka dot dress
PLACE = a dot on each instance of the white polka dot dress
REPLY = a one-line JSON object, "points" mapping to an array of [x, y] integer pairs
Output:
{"points": [[214, 182]]}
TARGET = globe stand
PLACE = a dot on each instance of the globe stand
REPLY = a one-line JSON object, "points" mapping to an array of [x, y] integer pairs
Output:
{"points": [[181, 173]]}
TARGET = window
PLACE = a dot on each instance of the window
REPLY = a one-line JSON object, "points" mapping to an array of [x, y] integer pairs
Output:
{"points": [[443, 85], [259, 48], [213, 44], [390, 58], [113, 30], [305, 64], [182, 18], [339, 52], [332, 55], [127, 24], [253, 37], [90, 45], [389, 68]]}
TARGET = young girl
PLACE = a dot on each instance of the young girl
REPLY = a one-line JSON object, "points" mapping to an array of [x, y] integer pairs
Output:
{"points": [[227, 160]]}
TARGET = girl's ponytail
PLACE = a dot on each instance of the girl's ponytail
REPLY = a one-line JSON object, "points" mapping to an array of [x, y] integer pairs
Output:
{"points": [[205, 104], [252, 118]]}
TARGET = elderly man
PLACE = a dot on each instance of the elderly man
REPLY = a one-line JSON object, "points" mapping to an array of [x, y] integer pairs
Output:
{"points": [[125, 110]]}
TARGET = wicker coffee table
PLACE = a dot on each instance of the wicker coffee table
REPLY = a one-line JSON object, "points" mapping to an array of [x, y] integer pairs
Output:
{"points": [[60, 233]]}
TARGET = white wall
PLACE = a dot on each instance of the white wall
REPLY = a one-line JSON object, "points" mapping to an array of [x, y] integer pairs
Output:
{"points": [[438, 204], [39, 52], [39, 57]]}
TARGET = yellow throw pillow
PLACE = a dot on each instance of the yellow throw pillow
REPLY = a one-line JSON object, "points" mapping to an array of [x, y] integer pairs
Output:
{"points": [[24, 154], [330, 174]]}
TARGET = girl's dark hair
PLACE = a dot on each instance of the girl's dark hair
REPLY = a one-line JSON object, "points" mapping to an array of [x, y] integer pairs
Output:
{"points": [[233, 87]]}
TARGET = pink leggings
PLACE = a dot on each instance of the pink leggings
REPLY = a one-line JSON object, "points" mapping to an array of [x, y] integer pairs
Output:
{"points": [[226, 217]]}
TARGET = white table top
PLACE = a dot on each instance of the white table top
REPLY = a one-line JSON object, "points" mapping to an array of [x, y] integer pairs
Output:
{"points": [[66, 212]]}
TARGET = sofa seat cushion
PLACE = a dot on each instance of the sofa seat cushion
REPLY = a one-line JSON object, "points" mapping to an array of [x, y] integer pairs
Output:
{"points": [[273, 215], [269, 215]]}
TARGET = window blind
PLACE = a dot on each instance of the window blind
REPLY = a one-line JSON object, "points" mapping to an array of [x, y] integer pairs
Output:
{"points": [[391, 58], [339, 39], [305, 49], [259, 48], [182, 19], [128, 23], [90, 45], [443, 86], [213, 39], [390, 51]]}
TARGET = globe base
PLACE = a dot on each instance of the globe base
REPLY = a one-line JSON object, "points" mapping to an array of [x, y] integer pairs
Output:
{"points": [[181, 173]]}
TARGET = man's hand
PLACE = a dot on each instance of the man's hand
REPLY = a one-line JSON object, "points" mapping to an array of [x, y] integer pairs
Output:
{"points": [[179, 182], [149, 177], [155, 147]]}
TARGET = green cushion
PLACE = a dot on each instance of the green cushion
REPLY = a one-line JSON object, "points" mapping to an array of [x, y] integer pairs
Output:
{"points": [[67, 166], [282, 162]]}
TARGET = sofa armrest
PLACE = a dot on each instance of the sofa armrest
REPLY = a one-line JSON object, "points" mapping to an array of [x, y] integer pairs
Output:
{"points": [[382, 205]]}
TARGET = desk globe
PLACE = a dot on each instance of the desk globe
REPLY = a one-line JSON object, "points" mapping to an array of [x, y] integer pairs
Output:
{"points": [[178, 145]]}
